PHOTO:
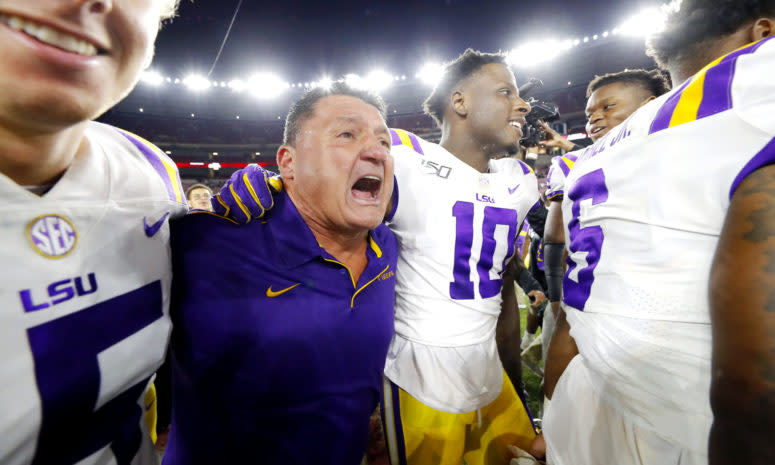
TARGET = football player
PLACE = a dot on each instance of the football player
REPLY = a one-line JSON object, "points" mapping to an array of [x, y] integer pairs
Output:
{"points": [[86, 268], [611, 99], [669, 289]]}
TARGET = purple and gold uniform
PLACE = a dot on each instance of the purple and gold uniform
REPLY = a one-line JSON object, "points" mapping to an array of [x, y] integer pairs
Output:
{"points": [[277, 353], [446, 395], [558, 172], [84, 304], [643, 210]]}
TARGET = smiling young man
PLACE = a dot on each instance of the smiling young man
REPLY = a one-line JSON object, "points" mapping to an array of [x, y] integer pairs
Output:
{"points": [[277, 352], [85, 251], [669, 290], [456, 215]]}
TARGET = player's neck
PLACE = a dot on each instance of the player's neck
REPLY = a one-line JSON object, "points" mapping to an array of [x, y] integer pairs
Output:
{"points": [[32, 158], [466, 149]]}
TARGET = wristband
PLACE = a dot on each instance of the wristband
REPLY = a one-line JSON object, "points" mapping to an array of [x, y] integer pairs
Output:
{"points": [[527, 282], [553, 253]]}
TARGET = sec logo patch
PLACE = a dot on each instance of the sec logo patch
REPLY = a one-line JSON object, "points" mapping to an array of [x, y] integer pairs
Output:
{"points": [[52, 236]]}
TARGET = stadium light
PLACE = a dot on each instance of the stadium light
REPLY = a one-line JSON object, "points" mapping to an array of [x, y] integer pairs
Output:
{"points": [[325, 83], [535, 53], [431, 73], [152, 78], [237, 85], [353, 80], [267, 85], [645, 23], [196, 82], [378, 80]]}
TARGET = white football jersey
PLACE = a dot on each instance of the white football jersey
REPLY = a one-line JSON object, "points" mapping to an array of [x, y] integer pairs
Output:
{"points": [[644, 208], [84, 304], [456, 229], [558, 172]]}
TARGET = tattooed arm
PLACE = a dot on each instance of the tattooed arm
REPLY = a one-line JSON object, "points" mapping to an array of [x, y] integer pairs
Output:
{"points": [[742, 302]]}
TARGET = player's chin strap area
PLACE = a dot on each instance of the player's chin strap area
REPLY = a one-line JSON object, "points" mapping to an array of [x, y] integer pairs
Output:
{"points": [[553, 253]]}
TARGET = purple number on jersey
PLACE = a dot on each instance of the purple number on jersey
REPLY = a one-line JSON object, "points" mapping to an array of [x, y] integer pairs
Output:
{"points": [[462, 288], [67, 371], [585, 243]]}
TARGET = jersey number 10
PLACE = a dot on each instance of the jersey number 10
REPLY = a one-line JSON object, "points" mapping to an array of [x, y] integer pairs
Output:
{"points": [[462, 288]]}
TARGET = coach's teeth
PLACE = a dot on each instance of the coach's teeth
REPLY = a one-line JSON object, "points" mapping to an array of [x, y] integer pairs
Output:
{"points": [[515, 124], [50, 36]]}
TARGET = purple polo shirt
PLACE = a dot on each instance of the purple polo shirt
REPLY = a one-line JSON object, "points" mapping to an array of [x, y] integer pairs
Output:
{"points": [[277, 356]]}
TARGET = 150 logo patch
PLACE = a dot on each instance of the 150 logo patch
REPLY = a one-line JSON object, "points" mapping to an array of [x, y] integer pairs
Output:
{"points": [[439, 170]]}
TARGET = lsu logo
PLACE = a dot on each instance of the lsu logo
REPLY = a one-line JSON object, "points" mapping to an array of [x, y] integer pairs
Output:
{"points": [[387, 275], [484, 198], [58, 292], [52, 236]]}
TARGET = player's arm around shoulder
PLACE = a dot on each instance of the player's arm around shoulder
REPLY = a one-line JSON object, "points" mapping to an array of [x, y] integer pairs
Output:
{"points": [[248, 194], [742, 305]]}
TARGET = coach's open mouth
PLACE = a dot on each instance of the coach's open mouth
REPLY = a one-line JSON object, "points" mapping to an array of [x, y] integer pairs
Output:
{"points": [[367, 188]]}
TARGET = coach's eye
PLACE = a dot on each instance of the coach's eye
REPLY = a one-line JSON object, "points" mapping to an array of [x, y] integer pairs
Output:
{"points": [[346, 135], [385, 143]]}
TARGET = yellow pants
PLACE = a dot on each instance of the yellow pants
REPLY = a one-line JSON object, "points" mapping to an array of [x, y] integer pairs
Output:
{"points": [[150, 411], [420, 435]]}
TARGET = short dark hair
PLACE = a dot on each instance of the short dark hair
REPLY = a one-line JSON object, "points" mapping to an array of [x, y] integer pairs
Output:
{"points": [[696, 22], [192, 187], [654, 82], [303, 108], [464, 66]]}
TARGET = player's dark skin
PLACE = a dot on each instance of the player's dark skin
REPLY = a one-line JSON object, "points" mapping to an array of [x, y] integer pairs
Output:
{"points": [[742, 298]]}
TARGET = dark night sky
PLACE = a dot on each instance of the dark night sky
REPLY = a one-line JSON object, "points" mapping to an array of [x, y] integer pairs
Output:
{"points": [[303, 40]]}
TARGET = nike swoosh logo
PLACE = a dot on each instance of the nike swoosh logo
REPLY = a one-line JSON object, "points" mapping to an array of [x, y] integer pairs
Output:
{"points": [[270, 293], [151, 230], [511, 191]]}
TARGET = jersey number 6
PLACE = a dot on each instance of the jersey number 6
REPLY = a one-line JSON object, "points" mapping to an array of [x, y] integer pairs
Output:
{"points": [[585, 243]]}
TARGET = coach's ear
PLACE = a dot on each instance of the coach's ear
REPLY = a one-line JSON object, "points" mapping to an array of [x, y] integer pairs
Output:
{"points": [[286, 161], [762, 28]]}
